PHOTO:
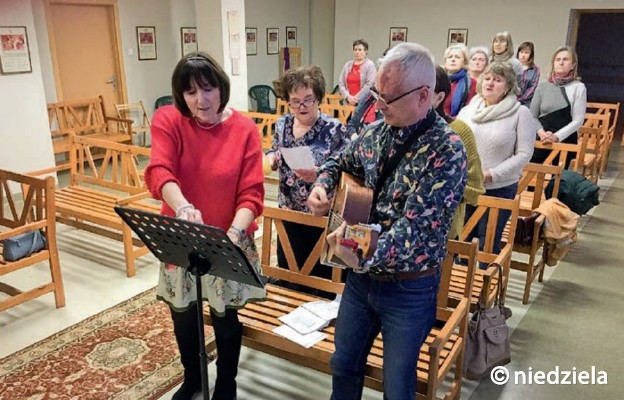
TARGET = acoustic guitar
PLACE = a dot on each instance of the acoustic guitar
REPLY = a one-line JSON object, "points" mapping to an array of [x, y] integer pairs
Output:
{"points": [[352, 203]]}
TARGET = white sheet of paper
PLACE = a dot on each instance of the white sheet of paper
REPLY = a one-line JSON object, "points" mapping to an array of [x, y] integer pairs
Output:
{"points": [[327, 310], [306, 341], [298, 157], [304, 321]]}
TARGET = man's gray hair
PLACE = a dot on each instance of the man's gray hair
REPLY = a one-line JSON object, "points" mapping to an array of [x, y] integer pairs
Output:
{"points": [[480, 49], [412, 60]]}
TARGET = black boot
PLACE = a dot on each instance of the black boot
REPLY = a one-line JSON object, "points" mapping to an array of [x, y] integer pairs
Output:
{"points": [[228, 334], [187, 336]]}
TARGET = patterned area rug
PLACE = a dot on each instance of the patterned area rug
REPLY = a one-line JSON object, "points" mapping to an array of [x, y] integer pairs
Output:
{"points": [[127, 352]]}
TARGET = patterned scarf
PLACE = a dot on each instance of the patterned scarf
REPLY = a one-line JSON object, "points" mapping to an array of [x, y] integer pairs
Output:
{"points": [[461, 90], [560, 80]]}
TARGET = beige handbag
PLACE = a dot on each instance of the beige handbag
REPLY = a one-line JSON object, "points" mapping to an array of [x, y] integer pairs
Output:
{"points": [[487, 344]]}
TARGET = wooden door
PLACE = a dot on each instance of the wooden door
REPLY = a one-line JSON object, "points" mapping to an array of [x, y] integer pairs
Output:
{"points": [[85, 51]]}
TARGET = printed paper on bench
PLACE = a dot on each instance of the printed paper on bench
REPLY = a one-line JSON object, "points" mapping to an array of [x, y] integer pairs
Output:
{"points": [[303, 321], [326, 310], [306, 341]]}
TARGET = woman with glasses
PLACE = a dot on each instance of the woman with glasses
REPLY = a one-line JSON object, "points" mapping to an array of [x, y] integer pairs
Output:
{"points": [[505, 132], [305, 125]]}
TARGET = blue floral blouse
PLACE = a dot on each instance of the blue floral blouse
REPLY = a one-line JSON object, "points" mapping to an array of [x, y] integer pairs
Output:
{"points": [[416, 203], [327, 137]]}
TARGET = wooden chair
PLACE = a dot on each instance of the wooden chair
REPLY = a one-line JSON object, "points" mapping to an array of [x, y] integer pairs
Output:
{"points": [[537, 177], [559, 153], [37, 212], [342, 112], [598, 143], [140, 121], [610, 109], [486, 281], [85, 117], [441, 356], [281, 107], [330, 98], [266, 126], [95, 189]]}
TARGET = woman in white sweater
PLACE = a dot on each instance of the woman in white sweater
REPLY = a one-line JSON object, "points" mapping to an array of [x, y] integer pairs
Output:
{"points": [[505, 133], [559, 104]]}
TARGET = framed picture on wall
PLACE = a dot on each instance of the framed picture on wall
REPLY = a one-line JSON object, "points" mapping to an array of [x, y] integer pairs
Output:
{"points": [[291, 36], [457, 36], [251, 35], [188, 36], [397, 35], [272, 40], [14, 50], [146, 42]]}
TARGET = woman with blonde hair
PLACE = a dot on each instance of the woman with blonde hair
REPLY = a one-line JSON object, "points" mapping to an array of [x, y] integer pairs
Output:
{"points": [[503, 51], [559, 104], [463, 87], [505, 132], [479, 59]]}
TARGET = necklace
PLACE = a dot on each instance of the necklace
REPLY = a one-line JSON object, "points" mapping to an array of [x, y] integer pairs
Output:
{"points": [[209, 126]]}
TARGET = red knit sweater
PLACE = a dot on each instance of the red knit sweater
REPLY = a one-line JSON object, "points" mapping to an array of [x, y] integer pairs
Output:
{"points": [[219, 170]]}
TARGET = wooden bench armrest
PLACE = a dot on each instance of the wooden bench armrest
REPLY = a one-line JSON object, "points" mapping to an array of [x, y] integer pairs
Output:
{"points": [[116, 119], [131, 199], [46, 171], [24, 228], [450, 325]]}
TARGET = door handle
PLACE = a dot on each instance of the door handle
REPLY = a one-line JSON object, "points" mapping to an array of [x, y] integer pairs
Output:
{"points": [[113, 81]]}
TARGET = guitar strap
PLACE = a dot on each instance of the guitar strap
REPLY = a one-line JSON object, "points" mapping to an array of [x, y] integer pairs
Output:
{"points": [[391, 163]]}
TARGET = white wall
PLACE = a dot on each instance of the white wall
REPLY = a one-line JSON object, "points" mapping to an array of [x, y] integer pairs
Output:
{"points": [[25, 142], [545, 23], [322, 37], [263, 14]]}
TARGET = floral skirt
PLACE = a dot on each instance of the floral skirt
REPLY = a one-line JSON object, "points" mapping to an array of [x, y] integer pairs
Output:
{"points": [[176, 286]]}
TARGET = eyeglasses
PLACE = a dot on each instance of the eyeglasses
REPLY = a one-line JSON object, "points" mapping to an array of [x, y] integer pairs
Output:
{"points": [[378, 97], [298, 104]]}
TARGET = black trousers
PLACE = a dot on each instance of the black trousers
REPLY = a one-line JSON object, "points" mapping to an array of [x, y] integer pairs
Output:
{"points": [[228, 334]]}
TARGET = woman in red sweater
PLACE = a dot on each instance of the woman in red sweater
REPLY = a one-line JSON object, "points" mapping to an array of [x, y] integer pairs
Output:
{"points": [[206, 166]]}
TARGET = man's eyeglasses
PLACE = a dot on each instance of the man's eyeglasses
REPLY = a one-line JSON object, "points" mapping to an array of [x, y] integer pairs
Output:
{"points": [[297, 104], [378, 97]]}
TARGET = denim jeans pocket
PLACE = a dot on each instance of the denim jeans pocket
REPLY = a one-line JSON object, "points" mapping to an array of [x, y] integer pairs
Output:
{"points": [[415, 286]]}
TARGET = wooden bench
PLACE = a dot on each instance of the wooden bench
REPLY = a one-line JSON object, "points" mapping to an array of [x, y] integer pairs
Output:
{"points": [[339, 111], [441, 356], [537, 177], [599, 141], [94, 189], [581, 163], [266, 126], [612, 110], [281, 107], [486, 281], [85, 117], [36, 212]]}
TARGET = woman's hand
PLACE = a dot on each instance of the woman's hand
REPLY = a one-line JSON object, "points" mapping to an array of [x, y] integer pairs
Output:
{"points": [[233, 236], [550, 138], [272, 158], [352, 100], [191, 215], [308, 175], [487, 176], [342, 252]]}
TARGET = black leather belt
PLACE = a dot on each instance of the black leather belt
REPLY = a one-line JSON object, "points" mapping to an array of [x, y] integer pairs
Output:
{"points": [[403, 276]]}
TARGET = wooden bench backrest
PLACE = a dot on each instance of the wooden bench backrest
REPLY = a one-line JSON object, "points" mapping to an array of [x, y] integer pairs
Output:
{"points": [[135, 112], [562, 150], [266, 126], [342, 112], [124, 173], [493, 206], [332, 99], [455, 249], [281, 107], [78, 116], [538, 176], [37, 205], [610, 109]]}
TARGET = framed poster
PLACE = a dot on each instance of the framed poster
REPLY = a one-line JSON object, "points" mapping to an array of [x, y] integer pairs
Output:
{"points": [[146, 41], [14, 50], [291, 36], [188, 36], [251, 35], [272, 40], [457, 36], [397, 35]]}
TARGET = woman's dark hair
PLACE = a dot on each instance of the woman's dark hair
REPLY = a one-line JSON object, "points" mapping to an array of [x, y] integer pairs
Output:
{"points": [[202, 69], [363, 42], [306, 77], [443, 85], [527, 46]]}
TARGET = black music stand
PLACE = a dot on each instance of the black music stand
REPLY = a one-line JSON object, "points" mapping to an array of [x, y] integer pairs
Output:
{"points": [[201, 249]]}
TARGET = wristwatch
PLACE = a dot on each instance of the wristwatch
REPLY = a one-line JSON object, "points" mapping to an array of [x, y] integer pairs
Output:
{"points": [[240, 232]]}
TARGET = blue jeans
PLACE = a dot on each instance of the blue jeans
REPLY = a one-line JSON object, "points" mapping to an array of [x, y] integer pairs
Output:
{"points": [[506, 192], [403, 311]]}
